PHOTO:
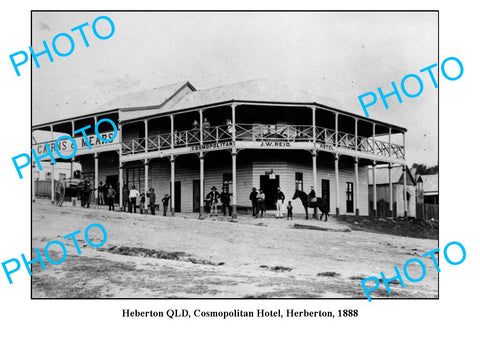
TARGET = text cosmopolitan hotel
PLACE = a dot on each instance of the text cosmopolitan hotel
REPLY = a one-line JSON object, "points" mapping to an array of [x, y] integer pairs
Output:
{"points": [[259, 134]]}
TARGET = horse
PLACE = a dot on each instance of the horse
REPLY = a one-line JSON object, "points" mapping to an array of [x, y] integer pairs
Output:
{"points": [[321, 204]]}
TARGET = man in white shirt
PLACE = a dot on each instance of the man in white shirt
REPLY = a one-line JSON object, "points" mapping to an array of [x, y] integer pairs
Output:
{"points": [[133, 199], [279, 198]]}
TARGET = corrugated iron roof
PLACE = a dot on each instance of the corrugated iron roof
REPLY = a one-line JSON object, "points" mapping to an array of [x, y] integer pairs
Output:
{"points": [[259, 90], [430, 183], [41, 136], [381, 175], [172, 98], [152, 97]]}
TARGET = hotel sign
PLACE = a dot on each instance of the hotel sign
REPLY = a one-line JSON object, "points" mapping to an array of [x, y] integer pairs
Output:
{"points": [[211, 146], [324, 146], [262, 145], [275, 144]]}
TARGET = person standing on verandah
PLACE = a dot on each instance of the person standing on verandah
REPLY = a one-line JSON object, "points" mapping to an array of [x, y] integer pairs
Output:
{"points": [[279, 199], [165, 202], [101, 196], [85, 193], [151, 199], [142, 203], [206, 130], [213, 197], [260, 203], [253, 198], [133, 199], [225, 200], [196, 129], [111, 193], [195, 125], [125, 198]]}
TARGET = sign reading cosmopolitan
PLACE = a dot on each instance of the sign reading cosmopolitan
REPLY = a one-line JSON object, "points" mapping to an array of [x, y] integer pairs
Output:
{"points": [[66, 146]]}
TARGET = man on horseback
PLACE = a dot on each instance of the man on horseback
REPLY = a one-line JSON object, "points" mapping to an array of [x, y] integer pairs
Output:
{"points": [[312, 200], [312, 196], [307, 202]]}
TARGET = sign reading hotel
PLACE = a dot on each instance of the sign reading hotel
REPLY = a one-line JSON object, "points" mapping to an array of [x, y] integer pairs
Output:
{"points": [[294, 145], [325, 146]]}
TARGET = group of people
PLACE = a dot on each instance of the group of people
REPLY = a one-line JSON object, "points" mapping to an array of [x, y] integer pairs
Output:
{"points": [[195, 131], [212, 199], [258, 202], [206, 125], [106, 195], [131, 196], [196, 125], [85, 192]]}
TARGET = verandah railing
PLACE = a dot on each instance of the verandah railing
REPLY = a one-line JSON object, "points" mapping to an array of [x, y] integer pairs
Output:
{"points": [[262, 132]]}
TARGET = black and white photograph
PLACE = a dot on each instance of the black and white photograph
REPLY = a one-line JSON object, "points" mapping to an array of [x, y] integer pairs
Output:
{"points": [[255, 170], [228, 155]]}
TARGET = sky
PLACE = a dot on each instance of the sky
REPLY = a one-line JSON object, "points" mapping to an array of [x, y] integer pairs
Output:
{"points": [[338, 55]]}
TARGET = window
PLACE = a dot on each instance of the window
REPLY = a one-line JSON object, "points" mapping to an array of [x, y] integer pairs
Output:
{"points": [[349, 197], [227, 181], [420, 184], [299, 181], [135, 176]]}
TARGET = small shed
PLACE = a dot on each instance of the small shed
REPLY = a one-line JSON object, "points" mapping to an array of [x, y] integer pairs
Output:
{"points": [[383, 191], [429, 186]]}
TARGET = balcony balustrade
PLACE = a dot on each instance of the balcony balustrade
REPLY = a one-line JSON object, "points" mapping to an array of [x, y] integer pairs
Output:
{"points": [[262, 133]]}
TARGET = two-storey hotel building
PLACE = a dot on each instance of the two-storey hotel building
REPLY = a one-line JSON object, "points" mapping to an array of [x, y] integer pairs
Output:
{"points": [[259, 133]]}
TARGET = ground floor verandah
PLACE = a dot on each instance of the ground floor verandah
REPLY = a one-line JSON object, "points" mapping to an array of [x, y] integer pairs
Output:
{"points": [[342, 181]]}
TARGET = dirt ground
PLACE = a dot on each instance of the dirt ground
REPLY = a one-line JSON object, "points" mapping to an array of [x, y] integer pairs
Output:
{"points": [[401, 226], [184, 257]]}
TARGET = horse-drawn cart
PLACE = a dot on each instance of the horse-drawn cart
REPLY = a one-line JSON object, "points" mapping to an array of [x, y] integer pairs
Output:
{"points": [[69, 188]]}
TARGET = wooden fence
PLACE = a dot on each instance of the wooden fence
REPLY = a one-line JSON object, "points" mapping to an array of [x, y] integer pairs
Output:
{"points": [[423, 211], [43, 188], [383, 208], [427, 211]]}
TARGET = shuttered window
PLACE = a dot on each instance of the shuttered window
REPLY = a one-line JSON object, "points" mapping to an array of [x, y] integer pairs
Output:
{"points": [[299, 181], [227, 182]]}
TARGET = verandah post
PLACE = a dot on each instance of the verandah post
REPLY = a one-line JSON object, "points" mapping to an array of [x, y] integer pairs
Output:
{"points": [[202, 180], [357, 209], [172, 185], [374, 167], [234, 166]]}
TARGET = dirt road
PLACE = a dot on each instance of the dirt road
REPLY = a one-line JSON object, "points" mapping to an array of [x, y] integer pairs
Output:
{"points": [[163, 257]]}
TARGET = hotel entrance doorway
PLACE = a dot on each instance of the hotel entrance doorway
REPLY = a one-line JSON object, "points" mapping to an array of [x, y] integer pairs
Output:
{"points": [[269, 186]]}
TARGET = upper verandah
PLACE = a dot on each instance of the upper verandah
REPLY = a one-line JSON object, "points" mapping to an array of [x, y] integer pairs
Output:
{"points": [[183, 97]]}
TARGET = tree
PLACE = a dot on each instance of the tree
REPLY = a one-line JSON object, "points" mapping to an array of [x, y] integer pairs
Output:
{"points": [[422, 169]]}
